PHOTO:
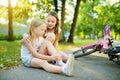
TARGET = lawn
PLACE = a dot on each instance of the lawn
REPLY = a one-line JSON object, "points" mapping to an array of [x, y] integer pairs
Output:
{"points": [[10, 52]]}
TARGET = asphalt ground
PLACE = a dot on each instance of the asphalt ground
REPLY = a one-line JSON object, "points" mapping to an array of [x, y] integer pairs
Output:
{"points": [[92, 67]]}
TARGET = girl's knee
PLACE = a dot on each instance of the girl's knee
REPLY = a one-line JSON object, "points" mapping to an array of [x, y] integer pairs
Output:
{"points": [[43, 62], [50, 37]]}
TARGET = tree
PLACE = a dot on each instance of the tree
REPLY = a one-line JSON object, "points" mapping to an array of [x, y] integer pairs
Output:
{"points": [[93, 29], [23, 8], [56, 6], [70, 39], [108, 14], [62, 38], [10, 28]]}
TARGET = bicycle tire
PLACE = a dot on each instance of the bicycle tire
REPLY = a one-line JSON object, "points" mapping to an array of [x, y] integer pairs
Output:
{"points": [[79, 53]]}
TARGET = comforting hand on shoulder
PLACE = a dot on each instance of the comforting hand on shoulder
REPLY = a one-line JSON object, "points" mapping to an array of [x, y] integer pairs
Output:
{"points": [[27, 40]]}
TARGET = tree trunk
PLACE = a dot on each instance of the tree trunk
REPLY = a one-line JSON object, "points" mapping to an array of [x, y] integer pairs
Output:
{"points": [[115, 36], [93, 29], [83, 34], [70, 39], [62, 38], [10, 29], [55, 4]]}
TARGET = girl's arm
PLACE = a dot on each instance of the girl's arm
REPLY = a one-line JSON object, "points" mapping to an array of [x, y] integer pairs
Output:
{"points": [[56, 44], [28, 44]]}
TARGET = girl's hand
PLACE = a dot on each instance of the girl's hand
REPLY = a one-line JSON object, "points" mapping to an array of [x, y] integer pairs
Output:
{"points": [[26, 36], [56, 57], [27, 41]]}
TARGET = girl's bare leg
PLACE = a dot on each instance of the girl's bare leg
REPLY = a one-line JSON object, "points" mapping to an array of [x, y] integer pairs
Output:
{"points": [[67, 69], [50, 37], [47, 47], [64, 56], [38, 63]]}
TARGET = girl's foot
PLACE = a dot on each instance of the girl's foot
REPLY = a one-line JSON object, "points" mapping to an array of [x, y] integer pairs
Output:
{"points": [[69, 66]]}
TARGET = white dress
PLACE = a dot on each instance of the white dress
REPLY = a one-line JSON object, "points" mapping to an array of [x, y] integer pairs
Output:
{"points": [[26, 56]]}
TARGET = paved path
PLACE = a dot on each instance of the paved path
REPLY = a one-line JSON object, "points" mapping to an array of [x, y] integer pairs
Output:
{"points": [[91, 67]]}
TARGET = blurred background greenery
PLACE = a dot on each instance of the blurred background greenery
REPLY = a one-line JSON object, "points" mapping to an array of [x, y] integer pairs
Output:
{"points": [[80, 19], [82, 22]]}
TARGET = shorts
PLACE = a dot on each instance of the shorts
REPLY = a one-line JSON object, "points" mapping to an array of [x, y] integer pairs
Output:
{"points": [[27, 61]]}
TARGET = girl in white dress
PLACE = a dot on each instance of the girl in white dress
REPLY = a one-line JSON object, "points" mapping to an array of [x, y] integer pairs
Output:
{"points": [[34, 49]]}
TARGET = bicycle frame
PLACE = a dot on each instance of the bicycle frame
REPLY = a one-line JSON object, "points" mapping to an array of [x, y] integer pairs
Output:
{"points": [[104, 45]]}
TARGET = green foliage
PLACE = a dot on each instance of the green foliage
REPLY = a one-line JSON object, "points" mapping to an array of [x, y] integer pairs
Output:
{"points": [[104, 14], [18, 37], [3, 36], [3, 12], [22, 11], [84, 24]]}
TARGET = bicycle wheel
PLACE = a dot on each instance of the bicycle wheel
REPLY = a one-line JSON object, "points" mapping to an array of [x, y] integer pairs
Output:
{"points": [[81, 53], [114, 58]]}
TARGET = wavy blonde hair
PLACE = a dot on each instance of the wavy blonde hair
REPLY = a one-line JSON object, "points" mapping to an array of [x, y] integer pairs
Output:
{"points": [[34, 24]]}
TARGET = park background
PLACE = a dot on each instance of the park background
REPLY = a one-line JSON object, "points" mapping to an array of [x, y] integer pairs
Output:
{"points": [[82, 22]]}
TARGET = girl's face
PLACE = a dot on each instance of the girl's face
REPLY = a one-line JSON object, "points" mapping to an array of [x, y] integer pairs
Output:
{"points": [[40, 30], [51, 22]]}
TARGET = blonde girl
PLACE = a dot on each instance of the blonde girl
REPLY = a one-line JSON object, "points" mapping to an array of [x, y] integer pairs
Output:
{"points": [[34, 48]]}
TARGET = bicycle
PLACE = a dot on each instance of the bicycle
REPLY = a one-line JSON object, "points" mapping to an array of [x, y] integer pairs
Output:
{"points": [[104, 45]]}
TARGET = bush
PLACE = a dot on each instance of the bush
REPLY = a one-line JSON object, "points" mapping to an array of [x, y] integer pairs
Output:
{"points": [[5, 37]]}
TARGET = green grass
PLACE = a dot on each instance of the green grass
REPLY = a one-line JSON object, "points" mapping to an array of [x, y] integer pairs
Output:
{"points": [[77, 43], [10, 52]]}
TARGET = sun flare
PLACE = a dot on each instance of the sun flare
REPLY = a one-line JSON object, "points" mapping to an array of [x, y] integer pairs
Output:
{"points": [[5, 3]]}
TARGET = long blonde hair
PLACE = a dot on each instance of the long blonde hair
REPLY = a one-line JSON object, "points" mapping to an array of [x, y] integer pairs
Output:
{"points": [[34, 24]]}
